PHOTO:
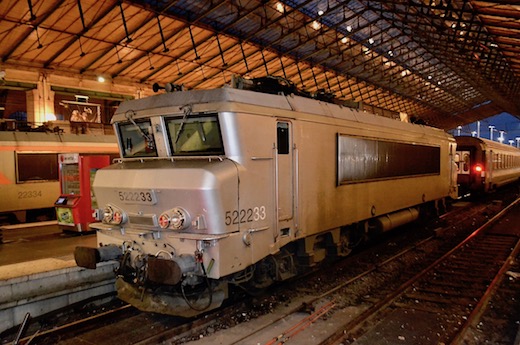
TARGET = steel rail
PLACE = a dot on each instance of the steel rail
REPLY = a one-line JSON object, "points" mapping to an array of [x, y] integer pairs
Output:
{"points": [[481, 306], [39, 334], [371, 269], [354, 325]]}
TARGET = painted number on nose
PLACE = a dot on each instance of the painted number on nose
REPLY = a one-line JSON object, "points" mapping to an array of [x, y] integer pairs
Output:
{"points": [[146, 197], [245, 215]]}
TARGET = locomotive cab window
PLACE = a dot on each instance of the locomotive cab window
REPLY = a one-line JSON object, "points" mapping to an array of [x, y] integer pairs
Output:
{"points": [[195, 135], [137, 139]]}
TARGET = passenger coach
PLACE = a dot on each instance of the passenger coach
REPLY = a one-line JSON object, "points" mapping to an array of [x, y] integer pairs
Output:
{"points": [[484, 165], [29, 169]]}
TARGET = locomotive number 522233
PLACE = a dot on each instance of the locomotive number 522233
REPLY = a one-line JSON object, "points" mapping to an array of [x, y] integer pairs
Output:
{"points": [[245, 215]]}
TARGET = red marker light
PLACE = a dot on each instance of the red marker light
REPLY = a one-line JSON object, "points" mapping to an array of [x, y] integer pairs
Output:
{"points": [[118, 217], [164, 221], [478, 168]]}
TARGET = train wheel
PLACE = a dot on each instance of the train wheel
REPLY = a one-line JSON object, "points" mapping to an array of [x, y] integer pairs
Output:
{"points": [[344, 248], [262, 277], [350, 238]]}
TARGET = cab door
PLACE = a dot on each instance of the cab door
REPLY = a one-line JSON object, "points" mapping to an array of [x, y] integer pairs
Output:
{"points": [[284, 179]]}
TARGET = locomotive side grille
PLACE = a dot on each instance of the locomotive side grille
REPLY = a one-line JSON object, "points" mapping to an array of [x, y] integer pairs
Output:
{"points": [[147, 219]]}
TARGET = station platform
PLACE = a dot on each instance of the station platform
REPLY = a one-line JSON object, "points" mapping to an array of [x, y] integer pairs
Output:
{"points": [[34, 241], [38, 273]]}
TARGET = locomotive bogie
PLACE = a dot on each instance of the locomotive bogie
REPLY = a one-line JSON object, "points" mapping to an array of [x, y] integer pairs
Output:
{"points": [[245, 188]]}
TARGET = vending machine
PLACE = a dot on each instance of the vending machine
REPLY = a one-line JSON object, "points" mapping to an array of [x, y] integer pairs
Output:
{"points": [[77, 201]]}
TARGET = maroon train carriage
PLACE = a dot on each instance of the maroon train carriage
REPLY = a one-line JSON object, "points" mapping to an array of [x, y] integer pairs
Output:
{"points": [[484, 165]]}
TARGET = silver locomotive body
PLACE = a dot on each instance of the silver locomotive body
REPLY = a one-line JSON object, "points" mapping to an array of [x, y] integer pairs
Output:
{"points": [[231, 186]]}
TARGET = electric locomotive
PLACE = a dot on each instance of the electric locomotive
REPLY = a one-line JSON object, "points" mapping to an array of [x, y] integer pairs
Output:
{"points": [[484, 165], [237, 187]]}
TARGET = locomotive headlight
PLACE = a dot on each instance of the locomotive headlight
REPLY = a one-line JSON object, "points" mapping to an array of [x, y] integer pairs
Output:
{"points": [[108, 214], [180, 219], [112, 215]]}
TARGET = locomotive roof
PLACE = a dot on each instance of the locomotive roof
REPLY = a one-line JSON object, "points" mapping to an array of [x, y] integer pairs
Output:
{"points": [[232, 99], [484, 143]]}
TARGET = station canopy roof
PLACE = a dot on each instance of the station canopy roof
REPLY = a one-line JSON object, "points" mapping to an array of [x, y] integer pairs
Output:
{"points": [[445, 62]]}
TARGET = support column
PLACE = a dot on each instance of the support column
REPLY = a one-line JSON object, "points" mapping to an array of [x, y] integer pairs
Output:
{"points": [[40, 102]]}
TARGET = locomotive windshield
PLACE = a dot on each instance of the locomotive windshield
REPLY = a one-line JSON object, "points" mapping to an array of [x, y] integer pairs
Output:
{"points": [[137, 139], [195, 135]]}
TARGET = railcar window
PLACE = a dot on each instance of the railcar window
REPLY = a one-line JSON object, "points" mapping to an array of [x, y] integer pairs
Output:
{"points": [[137, 139], [36, 167], [195, 135], [362, 159], [282, 129], [462, 159]]}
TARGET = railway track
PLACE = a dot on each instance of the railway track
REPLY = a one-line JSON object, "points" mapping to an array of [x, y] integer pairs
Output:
{"points": [[406, 297], [452, 292], [299, 319], [314, 307]]}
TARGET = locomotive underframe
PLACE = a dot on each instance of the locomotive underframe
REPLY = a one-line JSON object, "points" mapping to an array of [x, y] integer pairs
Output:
{"points": [[151, 287]]}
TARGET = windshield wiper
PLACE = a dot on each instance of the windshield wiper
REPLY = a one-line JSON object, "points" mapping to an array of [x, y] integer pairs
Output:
{"points": [[187, 111], [200, 129], [130, 116]]}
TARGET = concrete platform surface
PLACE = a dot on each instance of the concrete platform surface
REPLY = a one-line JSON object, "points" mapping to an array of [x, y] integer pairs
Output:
{"points": [[38, 273], [40, 241]]}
